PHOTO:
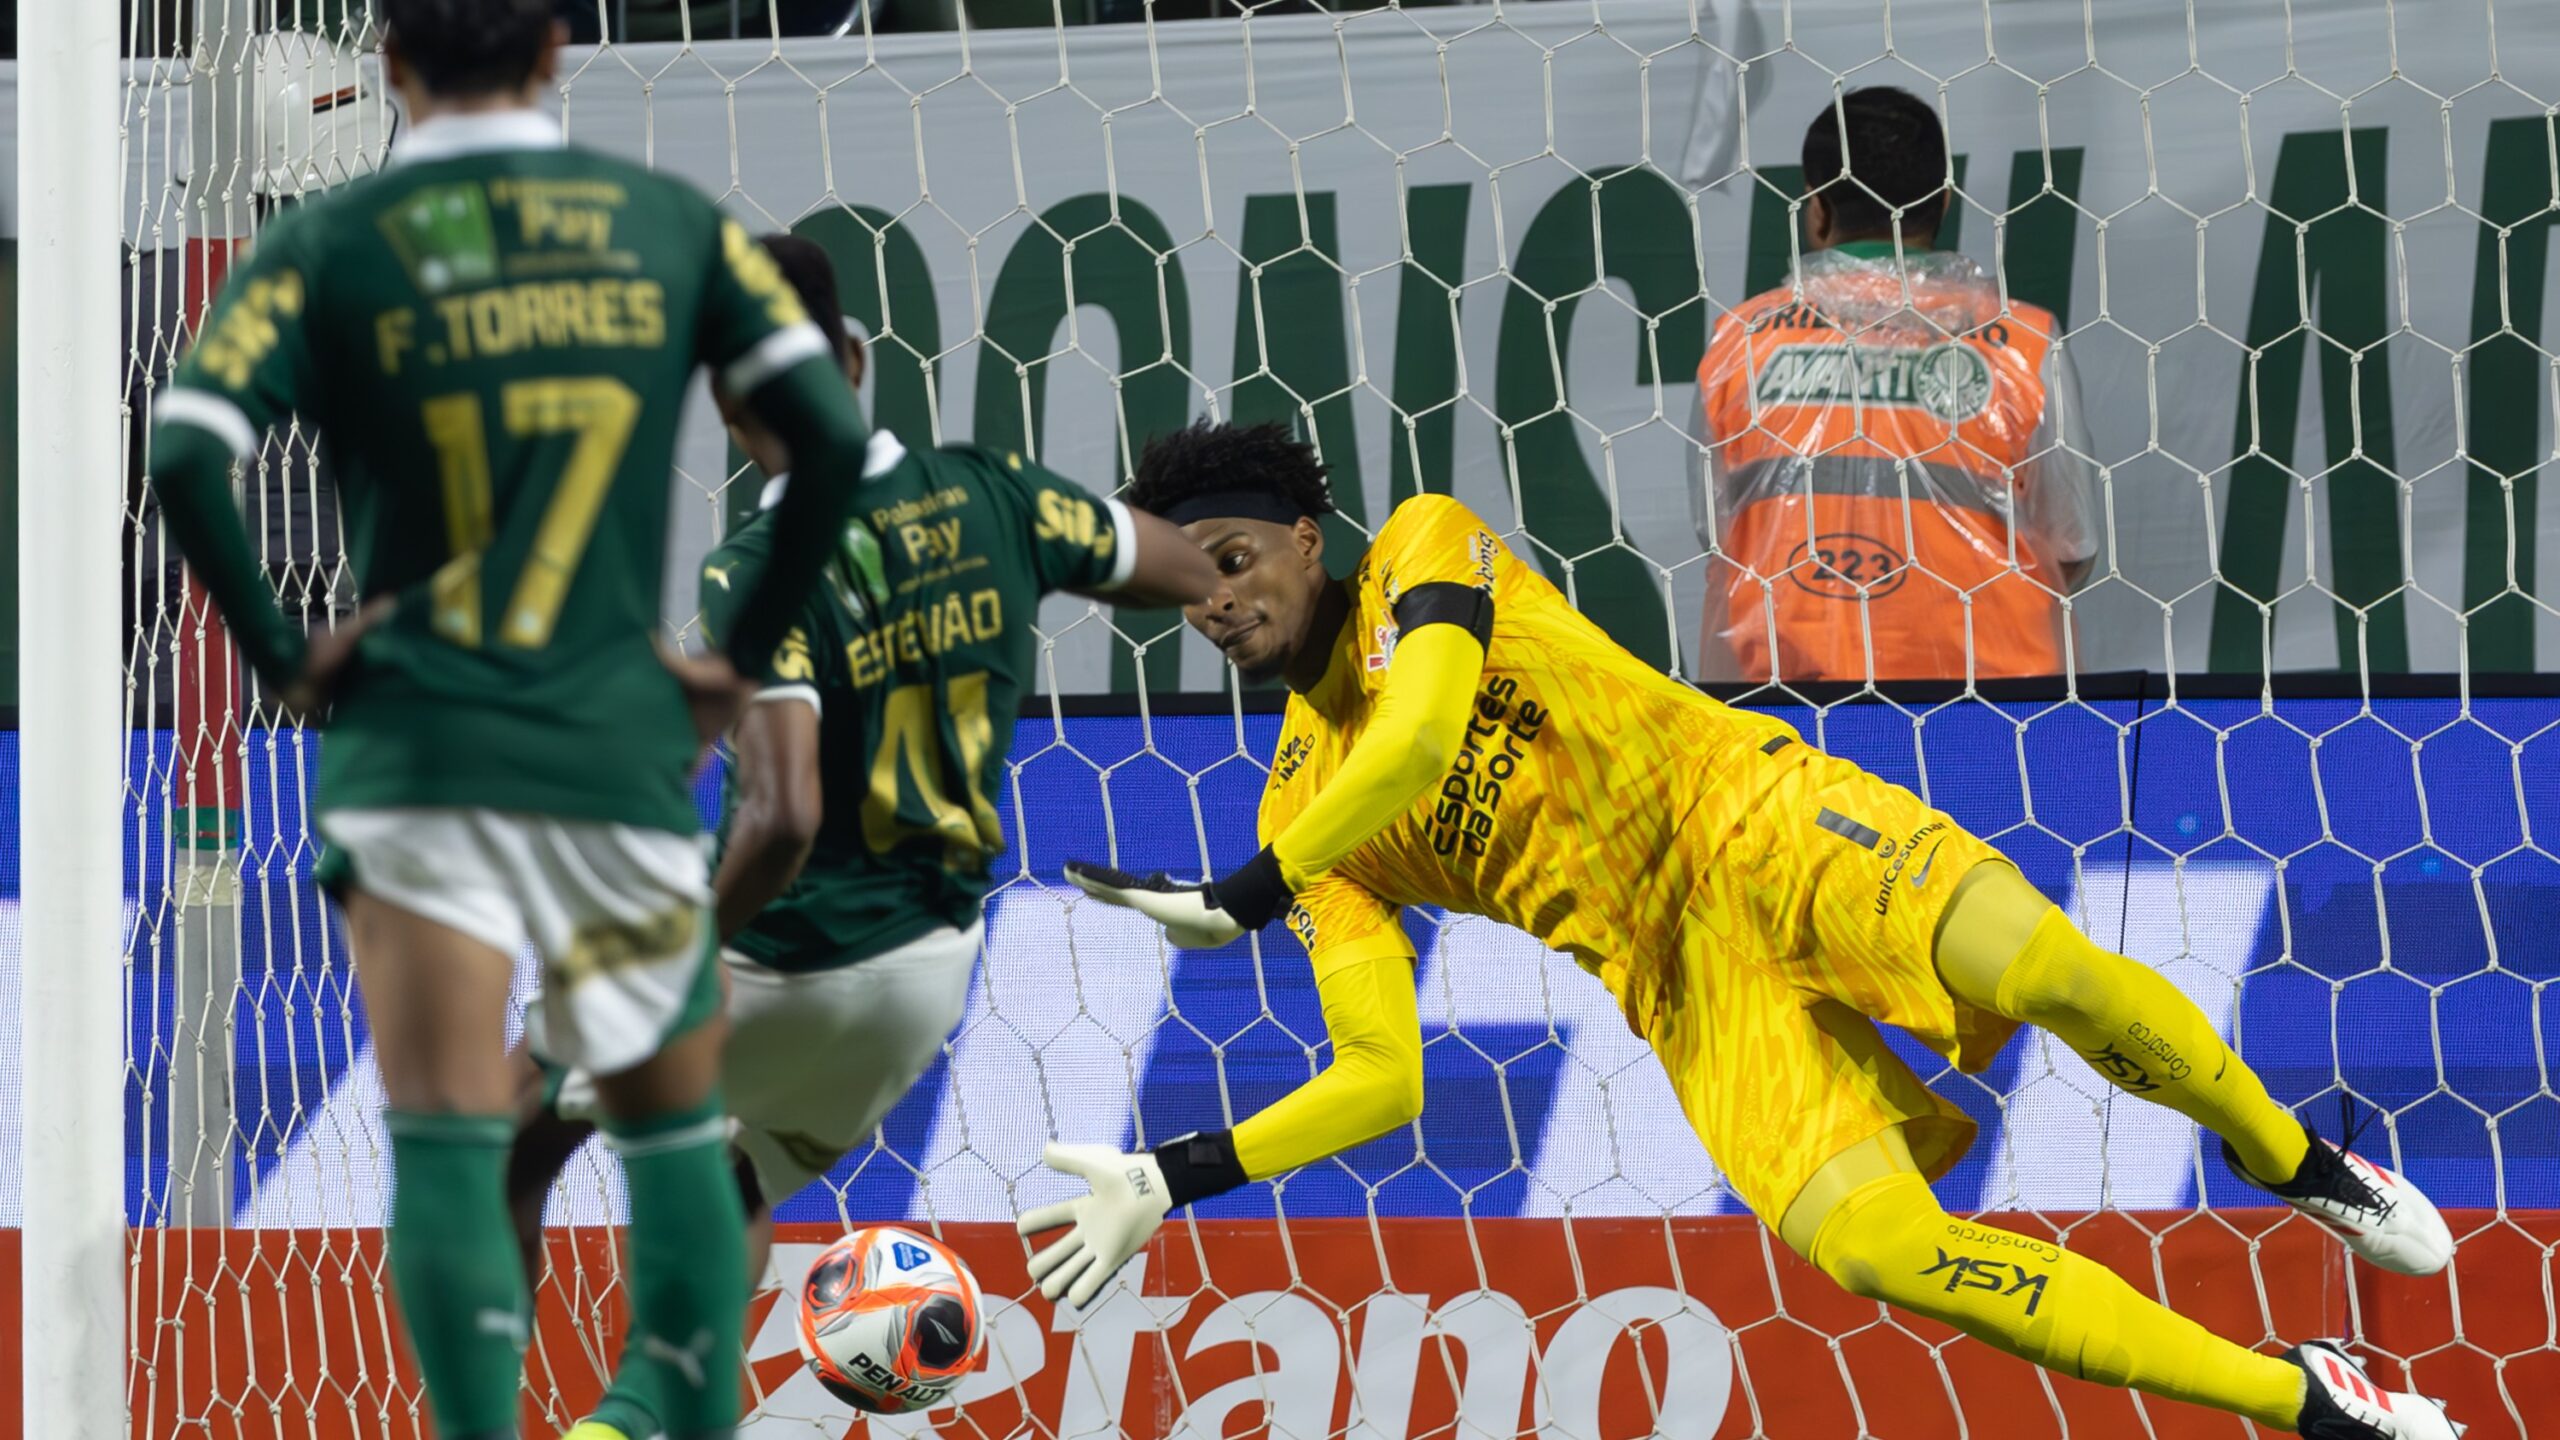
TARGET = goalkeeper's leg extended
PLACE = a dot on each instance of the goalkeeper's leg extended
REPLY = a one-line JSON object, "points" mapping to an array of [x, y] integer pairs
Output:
{"points": [[1844, 900], [2003, 947], [1868, 1220], [1776, 1085]]}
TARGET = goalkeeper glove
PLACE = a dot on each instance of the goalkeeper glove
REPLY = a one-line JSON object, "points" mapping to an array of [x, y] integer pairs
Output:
{"points": [[1127, 1198], [1194, 917]]}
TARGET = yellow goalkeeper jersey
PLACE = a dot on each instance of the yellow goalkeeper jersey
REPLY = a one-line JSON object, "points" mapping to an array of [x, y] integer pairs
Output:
{"points": [[1587, 793]]}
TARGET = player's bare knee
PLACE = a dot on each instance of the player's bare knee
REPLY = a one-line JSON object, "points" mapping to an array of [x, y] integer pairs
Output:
{"points": [[679, 1077], [430, 1086]]}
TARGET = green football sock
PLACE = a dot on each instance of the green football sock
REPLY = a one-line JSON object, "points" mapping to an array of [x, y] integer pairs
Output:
{"points": [[688, 1271], [453, 1261]]}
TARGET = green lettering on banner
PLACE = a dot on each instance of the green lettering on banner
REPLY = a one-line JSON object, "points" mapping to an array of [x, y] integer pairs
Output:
{"points": [[1419, 441], [1125, 267], [1293, 357], [1648, 242], [2339, 264], [885, 285], [1769, 253], [2506, 400], [2042, 231]]}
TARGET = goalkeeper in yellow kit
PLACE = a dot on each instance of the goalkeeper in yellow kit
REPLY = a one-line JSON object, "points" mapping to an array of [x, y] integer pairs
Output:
{"points": [[1460, 736]]}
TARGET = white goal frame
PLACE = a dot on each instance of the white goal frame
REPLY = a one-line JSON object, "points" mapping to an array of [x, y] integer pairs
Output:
{"points": [[71, 726]]}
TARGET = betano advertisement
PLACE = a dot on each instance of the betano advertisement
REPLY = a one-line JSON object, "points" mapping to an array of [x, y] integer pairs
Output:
{"points": [[1607, 1329], [2352, 892]]}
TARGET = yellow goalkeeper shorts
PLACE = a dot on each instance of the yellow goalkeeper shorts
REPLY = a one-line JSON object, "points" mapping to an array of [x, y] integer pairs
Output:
{"points": [[1817, 918]]}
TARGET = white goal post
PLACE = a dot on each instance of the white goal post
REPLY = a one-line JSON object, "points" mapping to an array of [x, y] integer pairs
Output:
{"points": [[70, 1004]]}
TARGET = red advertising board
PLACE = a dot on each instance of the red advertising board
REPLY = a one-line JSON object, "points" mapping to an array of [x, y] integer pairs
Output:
{"points": [[211, 789], [1605, 1329]]}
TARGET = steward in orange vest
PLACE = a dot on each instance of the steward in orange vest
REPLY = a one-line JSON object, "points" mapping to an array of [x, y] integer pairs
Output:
{"points": [[1898, 482]]}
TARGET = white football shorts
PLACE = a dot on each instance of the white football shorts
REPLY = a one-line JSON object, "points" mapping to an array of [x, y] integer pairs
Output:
{"points": [[816, 1059], [618, 916]]}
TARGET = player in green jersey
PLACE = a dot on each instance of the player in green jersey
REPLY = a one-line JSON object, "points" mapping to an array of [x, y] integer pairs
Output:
{"points": [[495, 334], [862, 817]]}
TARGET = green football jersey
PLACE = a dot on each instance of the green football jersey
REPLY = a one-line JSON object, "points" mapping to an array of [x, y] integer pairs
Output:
{"points": [[495, 338], [916, 698]]}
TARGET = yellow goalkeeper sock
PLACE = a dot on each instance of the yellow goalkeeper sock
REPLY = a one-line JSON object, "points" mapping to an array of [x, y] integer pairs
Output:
{"points": [[1890, 1241], [2123, 1017]]}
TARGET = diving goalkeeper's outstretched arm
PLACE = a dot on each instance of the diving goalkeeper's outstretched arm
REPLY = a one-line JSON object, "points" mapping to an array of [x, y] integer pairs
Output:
{"points": [[1388, 682], [1373, 1085], [1364, 978]]}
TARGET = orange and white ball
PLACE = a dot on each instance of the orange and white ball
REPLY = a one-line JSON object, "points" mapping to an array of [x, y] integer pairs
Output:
{"points": [[889, 1320]]}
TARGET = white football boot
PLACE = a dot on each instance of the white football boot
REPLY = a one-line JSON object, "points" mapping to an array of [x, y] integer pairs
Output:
{"points": [[2383, 1218], [2340, 1402]]}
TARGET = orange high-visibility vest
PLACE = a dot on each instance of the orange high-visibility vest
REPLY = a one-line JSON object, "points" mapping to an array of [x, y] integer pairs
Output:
{"points": [[1882, 431]]}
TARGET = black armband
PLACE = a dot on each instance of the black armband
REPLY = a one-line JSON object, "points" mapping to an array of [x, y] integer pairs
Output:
{"points": [[1445, 602], [1254, 895], [1199, 1165]]}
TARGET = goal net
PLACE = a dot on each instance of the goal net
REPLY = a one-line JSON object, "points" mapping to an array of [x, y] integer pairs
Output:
{"points": [[2294, 756]]}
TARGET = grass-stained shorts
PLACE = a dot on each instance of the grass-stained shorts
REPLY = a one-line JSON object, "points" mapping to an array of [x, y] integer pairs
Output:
{"points": [[816, 1059], [1817, 917], [619, 916]]}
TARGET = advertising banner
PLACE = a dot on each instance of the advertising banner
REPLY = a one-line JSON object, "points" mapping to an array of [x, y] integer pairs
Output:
{"points": [[2300, 260], [1479, 249], [1612, 1329]]}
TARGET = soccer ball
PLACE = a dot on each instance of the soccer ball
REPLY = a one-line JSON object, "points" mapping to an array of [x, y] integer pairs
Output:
{"points": [[889, 1320]]}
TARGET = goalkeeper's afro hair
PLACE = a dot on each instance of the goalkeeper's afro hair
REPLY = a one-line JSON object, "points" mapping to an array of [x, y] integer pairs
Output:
{"points": [[1207, 458], [1896, 158], [470, 47]]}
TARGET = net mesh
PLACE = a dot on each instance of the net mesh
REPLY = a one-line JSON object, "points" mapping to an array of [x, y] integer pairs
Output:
{"points": [[2299, 267]]}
